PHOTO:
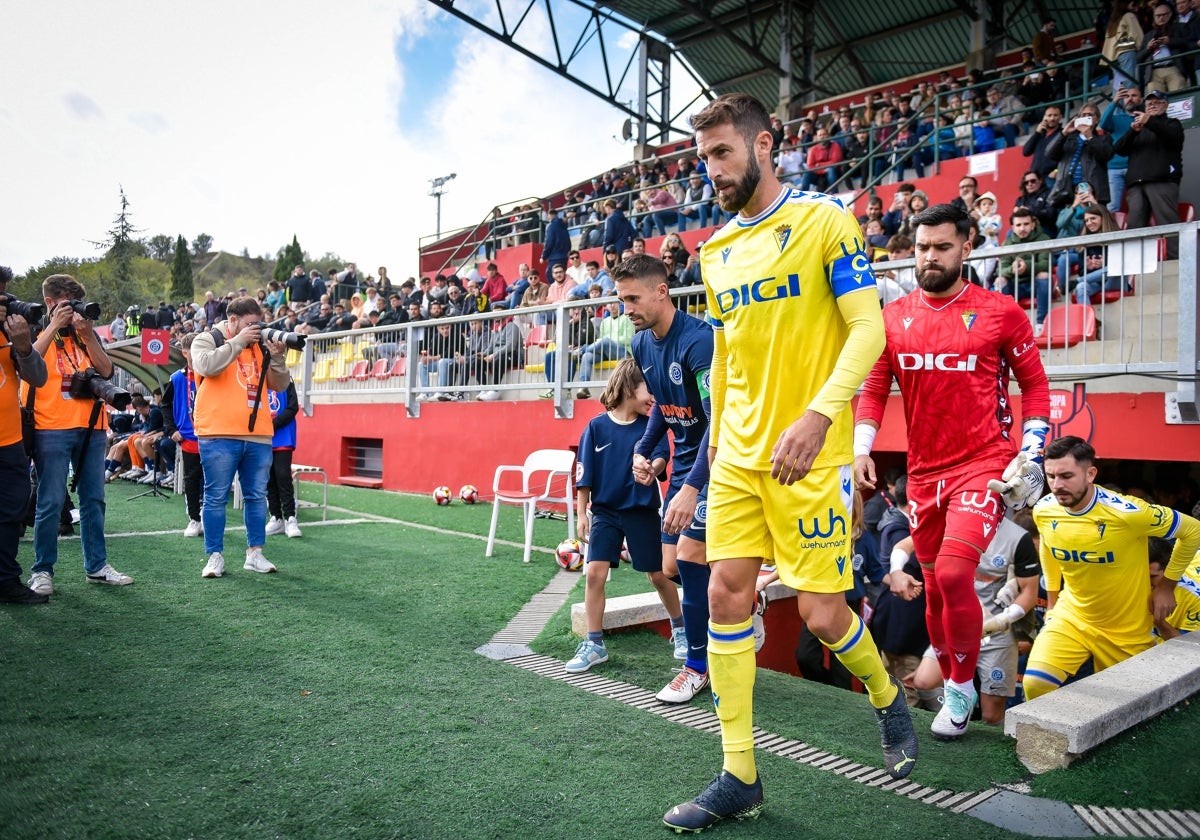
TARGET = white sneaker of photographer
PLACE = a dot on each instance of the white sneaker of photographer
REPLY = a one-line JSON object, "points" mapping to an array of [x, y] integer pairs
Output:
{"points": [[291, 527], [194, 528], [256, 562], [274, 526], [215, 567]]}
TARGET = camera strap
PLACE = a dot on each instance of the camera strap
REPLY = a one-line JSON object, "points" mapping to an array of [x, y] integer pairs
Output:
{"points": [[262, 383], [97, 405]]}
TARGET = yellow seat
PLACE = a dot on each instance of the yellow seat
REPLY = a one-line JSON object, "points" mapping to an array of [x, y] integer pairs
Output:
{"points": [[293, 357], [337, 368], [607, 364], [321, 371], [345, 350], [535, 368]]}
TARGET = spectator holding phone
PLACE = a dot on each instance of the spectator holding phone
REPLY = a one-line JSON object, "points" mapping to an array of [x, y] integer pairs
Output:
{"points": [[1082, 151]]}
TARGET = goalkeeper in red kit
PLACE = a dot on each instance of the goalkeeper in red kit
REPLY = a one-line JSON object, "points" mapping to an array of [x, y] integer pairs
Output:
{"points": [[951, 347]]}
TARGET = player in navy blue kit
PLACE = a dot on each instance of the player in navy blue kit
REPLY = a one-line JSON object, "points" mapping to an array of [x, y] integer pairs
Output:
{"points": [[674, 351], [621, 509]]}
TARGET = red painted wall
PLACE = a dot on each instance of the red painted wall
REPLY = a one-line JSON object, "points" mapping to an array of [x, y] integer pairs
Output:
{"points": [[463, 443]]}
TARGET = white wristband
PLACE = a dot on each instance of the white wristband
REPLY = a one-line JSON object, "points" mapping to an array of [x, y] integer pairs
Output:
{"points": [[899, 558], [864, 438], [1014, 613]]}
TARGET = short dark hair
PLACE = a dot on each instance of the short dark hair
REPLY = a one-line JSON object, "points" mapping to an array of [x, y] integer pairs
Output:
{"points": [[642, 267], [244, 306], [1021, 213], [741, 110], [901, 491], [943, 214], [1076, 447], [62, 286]]}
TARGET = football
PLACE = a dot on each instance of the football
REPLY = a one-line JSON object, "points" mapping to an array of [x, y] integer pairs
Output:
{"points": [[569, 555], [469, 494], [441, 495]]}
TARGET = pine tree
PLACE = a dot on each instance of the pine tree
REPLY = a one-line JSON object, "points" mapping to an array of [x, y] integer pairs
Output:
{"points": [[182, 290], [289, 257], [123, 244]]}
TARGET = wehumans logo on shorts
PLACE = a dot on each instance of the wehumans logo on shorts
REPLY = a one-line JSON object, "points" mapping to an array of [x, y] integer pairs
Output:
{"points": [[823, 530], [986, 501]]}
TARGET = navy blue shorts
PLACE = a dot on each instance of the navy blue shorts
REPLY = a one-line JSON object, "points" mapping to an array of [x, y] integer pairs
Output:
{"points": [[637, 527], [695, 531]]}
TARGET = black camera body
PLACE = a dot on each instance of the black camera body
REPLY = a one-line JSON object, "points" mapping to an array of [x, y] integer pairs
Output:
{"points": [[291, 340], [31, 312], [87, 384], [89, 310]]}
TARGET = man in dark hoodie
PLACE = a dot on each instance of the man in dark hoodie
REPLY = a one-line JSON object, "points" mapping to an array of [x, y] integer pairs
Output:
{"points": [[1154, 146]]}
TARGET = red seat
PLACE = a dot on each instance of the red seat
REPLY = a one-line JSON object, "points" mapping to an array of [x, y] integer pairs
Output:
{"points": [[397, 369], [365, 374], [379, 370], [1187, 212], [1067, 325], [1115, 294], [1120, 215], [359, 371], [537, 336]]}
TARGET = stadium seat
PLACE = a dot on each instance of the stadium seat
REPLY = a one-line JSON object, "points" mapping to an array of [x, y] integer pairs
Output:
{"points": [[558, 466], [399, 368], [358, 371], [1067, 325], [362, 373], [379, 370], [536, 337], [321, 371], [1115, 294], [1187, 212], [1119, 216]]}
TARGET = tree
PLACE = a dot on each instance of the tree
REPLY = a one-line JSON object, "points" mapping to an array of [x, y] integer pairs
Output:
{"points": [[289, 257], [201, 244], [122, 244], [160, 247], [182, 290]]}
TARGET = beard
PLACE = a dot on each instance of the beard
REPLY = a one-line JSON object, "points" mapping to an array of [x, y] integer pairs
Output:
{"points": [[936, 280], [744, 188]]}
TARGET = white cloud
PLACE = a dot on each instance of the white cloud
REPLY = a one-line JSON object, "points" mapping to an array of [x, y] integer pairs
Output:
{"points": [[254, 121]]}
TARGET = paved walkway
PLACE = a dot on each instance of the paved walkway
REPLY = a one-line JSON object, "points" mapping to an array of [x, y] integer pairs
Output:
{"points": [[1008, 807]]}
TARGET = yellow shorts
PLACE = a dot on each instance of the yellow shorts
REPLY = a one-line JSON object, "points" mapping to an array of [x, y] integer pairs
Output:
{"points": [[805, 527], [1066, 643]]}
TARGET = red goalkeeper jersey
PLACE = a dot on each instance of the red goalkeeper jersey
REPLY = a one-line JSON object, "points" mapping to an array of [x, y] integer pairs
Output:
{"points": [[952, 359]]}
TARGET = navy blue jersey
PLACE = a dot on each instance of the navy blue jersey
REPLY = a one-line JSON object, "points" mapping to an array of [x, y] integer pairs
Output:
{"points": [[605, 463], [676, 372]]}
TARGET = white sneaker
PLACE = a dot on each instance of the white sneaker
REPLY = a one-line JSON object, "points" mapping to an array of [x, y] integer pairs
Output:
{"points": [[760, 632], [274, 526], [148, 478], [679, 641], [256, 562], [110, 576], [215, 567], [167, 479], [489, 396], [132, 474], [686, 685], [291, 527], [194, 528], [1038, 329], [952, 718], [41, 583]]}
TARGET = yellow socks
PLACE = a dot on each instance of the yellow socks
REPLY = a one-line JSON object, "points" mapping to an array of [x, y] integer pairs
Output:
{"points": [[858, 653], [731, 667]]}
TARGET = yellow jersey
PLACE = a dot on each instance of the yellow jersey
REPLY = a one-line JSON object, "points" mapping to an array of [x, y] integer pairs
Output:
{"points": [[1099, 558], [1186, 617], [791, 296]]}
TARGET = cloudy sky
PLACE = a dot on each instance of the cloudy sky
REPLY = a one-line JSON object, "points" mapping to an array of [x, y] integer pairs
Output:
{"points": [[254, 121]]}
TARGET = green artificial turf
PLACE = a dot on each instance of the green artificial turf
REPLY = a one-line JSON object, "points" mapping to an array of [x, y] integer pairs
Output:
{"points": [[342, 697]]}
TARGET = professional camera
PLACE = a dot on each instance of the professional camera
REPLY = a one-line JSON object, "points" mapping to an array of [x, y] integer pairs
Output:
{"points": [[291, 340], [86, 384], [31, 312], [89, 310]]}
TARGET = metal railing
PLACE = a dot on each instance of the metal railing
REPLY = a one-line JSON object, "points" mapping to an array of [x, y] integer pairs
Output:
{"points": [[1149, 332]]}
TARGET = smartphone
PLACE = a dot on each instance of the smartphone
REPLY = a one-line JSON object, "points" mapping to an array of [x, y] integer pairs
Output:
{"points": [[1083, 121], [1083, 187]]}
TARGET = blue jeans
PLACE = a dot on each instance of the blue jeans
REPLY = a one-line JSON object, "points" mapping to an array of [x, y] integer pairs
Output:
{"points": [[603, 349], [54, 451], [221, 458], [1066, 260], [1116, 189], [1040, 294], [1095, 281], [552, 364], [659, 218], [444, 368], [700, 211]]}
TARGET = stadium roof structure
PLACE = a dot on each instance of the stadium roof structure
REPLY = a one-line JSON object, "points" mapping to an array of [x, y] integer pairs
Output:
{"points": [[785, 52]]}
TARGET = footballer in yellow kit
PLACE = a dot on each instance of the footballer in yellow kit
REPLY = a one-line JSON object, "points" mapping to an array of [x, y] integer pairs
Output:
{"points": [[1186, 617], [796, 329], [1095, 560], [766, 278]]}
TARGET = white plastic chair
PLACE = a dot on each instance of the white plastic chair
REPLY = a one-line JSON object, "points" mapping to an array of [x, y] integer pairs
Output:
{"points": [[555, 464]]}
